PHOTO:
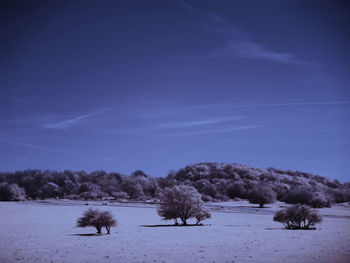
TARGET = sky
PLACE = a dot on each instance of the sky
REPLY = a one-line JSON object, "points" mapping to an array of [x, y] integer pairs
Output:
{"points": [[156, 85]]}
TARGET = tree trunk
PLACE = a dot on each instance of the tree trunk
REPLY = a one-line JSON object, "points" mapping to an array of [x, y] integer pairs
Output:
{"points": [[98, 230], [197, 222], [176, 223], [184, 222], [108, 229], [261, 205]]}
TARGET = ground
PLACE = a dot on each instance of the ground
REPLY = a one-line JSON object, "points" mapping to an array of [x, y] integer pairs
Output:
{"points": [[237, 232]]}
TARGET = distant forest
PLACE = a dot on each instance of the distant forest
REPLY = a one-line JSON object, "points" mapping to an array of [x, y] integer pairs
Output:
{"points": [[214, 181]]}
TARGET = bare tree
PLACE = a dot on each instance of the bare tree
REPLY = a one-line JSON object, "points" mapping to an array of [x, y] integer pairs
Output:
{"points": [[97, 219], [182, 202], [298, 217]]}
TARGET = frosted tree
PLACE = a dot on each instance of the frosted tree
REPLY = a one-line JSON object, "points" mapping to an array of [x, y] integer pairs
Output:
{"points": [[97, 219], [261, 195], [182, 202]]}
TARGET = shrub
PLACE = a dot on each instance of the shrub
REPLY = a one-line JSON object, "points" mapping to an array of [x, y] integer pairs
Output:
{"points": [[120, 195], [201, 215], [281, 190], [298, 196], [88, 196], [261, 195], [221, 186], [97, 219], [11, 192], [266, 177], [50, 190], [205, 187], [5, 192], [298, 217], [236, 190], [221, 197], [206, 198], [320, 200], [68, 187], [182, 202], [339, 195], [133, 188], [307, 197], [72, 197]]}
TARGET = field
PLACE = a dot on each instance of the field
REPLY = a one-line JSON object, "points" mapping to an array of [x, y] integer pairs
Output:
{"points": [[237, 232]]}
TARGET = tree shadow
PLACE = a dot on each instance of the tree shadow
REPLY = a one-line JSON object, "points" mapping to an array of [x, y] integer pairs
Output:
{"points": [[307, 229], [295, 229], [273, 228], [172, 225], [238, 225], [252, 207], [89, 235]]}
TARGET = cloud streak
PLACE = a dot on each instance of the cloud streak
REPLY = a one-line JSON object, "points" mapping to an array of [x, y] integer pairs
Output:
{"points": [[160, 117], [249, 49], [96, 160], [174, 111], [209, 131], [190, 124], [63, 125], [284, 104], [68, 123], [35, 147]]}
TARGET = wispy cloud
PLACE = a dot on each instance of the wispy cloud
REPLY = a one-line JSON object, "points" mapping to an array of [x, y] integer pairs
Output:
{"points": [[70, 122], [208, 131], [239, 43], [59, 86], [36, 147], [189, 124], [183, 119], [95, 160], [250, 49], [176, 111], [282, 104], [186, 109], [63, 125]]}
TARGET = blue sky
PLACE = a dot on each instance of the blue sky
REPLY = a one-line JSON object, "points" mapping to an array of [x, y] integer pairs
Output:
{"points": [[156, 85]]}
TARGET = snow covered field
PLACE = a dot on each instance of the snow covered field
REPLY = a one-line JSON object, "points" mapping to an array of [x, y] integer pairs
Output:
{"points": [[237, 232]]}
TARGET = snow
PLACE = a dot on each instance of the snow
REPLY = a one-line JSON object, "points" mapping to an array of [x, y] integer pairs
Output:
{"points": [[46, 232]]}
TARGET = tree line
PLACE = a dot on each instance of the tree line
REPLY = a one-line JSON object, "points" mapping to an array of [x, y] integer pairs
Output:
{"points": [[213, 181]]}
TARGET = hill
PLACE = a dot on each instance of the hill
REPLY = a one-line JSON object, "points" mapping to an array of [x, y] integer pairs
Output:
{"points": [[214, 181], [222, 181]]}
